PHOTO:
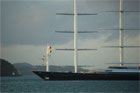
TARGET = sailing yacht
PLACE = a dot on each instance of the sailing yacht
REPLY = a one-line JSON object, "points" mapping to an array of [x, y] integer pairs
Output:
{"points": [[111, 73]]}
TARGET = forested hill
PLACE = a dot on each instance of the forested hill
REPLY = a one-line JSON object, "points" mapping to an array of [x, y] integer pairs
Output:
{"points": [[7, 69]]}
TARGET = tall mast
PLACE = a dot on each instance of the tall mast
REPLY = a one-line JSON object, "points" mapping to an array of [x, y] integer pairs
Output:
{"points": [[75, 37], [121, 33], [75, 49]]}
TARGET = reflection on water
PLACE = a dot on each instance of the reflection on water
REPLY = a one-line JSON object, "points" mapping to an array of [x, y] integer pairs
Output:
{"points": [[28, 84]]}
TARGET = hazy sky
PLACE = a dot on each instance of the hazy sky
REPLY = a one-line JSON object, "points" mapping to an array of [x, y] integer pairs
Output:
{"points": [[27, 26]]}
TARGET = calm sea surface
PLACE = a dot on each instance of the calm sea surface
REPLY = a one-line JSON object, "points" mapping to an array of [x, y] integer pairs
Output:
{"points": [[33, 84]]}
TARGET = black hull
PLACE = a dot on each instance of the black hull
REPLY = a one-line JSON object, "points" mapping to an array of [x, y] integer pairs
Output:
{"points": [[52, 76]]}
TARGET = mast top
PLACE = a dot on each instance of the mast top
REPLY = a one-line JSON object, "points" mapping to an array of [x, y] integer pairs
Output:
{"points": [[49, 50]]}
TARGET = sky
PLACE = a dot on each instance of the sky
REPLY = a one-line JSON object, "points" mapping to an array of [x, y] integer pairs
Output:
{"points": [[28, 26]]}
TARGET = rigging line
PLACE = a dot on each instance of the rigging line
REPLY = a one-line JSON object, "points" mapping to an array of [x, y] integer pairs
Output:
{"points": [[120, 29], [123, 11]]}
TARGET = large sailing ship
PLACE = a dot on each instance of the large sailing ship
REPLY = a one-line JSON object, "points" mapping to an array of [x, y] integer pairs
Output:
{"points": [[111, 73]]}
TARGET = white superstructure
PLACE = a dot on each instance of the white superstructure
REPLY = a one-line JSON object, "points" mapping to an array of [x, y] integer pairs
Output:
{"points": [[122, 69]]}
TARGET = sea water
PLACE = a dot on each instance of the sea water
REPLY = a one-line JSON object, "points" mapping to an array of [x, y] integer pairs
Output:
{"points": [[33, 84]]}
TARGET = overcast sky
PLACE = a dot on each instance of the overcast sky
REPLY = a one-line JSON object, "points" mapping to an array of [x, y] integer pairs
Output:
{"points": [[27, 26]]}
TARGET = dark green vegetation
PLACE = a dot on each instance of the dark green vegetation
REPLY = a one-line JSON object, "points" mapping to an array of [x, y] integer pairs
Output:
{"points": [[7, 69]]}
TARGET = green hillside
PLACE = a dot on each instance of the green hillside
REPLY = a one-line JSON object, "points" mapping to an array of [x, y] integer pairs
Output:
{"points": [[7, 69]]}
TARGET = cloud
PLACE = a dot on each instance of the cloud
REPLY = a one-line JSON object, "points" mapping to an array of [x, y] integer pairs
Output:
{"points": [[32, 54], [28, 26], [26, 22], [34, 22]]}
